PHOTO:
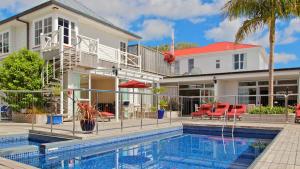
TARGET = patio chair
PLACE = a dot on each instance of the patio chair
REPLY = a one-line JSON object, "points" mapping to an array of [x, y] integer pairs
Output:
{"points": [[202, 110], [238, 110], [219, 112], [297, 113]]}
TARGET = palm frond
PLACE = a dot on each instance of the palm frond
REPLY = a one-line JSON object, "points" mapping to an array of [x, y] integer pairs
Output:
{"points": [[249, 27]]}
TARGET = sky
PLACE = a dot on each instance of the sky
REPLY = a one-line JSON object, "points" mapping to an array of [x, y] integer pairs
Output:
{"points": [[197, 21]]}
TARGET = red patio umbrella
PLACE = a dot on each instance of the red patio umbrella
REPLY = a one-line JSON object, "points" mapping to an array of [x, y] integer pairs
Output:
{"points": [[134, 84]]}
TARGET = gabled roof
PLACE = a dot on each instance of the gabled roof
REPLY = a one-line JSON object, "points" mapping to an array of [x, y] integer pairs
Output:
{"points": [[74, 6], [215, 47]]}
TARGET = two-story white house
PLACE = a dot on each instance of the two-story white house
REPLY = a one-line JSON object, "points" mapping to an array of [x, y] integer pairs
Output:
{"points": [[83, 49], [220, 57], [235, 71]]}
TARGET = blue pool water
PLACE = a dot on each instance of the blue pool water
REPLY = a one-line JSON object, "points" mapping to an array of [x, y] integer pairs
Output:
{"points": [[184, 151]]}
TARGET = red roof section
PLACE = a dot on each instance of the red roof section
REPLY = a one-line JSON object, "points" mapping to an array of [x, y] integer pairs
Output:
{"points": [[215, 47]]}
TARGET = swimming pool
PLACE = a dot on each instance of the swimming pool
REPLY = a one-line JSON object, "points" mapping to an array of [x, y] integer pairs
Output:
{"points": [[192, 147]]}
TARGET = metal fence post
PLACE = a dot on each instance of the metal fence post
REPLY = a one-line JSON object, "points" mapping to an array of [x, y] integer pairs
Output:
{"points": [[286, 108], [156, 110], [122, 112], [73, 111], [32, 116], [97, 108], [170, 110], [141, 110], [181, 107]]}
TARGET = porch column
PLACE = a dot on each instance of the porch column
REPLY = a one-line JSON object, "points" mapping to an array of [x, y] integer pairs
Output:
{"points": [[216, 90], [117, 99]]}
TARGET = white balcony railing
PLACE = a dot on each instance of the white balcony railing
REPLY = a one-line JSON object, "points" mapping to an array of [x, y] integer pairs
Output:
{"points": [[92, 46], [49, 40]]}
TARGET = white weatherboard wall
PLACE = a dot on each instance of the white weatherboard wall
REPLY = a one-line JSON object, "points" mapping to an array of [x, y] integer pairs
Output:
{"points": [[206, 63]]}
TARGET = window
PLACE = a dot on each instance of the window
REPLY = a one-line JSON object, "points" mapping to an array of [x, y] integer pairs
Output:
{"points": [[66, 26], [38, 29], [190, 65], [42, 26], [239, 61], [73, 34], [123, 46], [217, 64], [47, 25], [176, 67], [4, 43]]}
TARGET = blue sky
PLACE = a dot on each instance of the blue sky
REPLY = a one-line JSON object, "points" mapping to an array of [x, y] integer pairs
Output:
{"points": [[198, 21]]}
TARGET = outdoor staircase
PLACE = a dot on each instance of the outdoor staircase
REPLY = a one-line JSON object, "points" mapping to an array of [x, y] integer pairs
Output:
{"points": [[53, 77]]}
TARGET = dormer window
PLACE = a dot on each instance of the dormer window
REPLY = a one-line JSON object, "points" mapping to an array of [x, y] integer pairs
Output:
{"points": [[239, 61]]}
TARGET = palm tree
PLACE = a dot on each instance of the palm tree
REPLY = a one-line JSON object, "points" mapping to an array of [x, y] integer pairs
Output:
{"points": [[259, 13]]}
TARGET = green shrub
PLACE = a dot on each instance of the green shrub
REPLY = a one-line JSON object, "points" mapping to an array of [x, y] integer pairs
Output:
{"points": [[270, 110]]}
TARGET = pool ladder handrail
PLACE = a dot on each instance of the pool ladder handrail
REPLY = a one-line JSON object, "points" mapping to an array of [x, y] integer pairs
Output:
{"points": [[233, 126]]}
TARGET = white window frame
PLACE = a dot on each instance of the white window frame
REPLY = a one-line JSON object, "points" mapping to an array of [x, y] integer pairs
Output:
{"points": [[8, 43], [71, 20], [242, 64], [42, 19], [177, 67], [190, 70]]}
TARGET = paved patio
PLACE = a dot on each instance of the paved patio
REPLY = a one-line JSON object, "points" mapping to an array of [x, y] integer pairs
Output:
{"points": [[283, 152]]}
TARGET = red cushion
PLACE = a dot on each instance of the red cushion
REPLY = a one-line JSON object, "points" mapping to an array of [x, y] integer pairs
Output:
{"points": [[107, 114]]}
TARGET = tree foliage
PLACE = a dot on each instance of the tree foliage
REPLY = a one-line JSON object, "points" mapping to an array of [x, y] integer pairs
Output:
{"points": [[180, 45], [259, 13], [21, 70]]}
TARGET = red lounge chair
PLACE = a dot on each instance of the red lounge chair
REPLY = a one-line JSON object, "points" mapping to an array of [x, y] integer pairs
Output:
{"points": [[238, 110], [203, 109], [106, 115], [297, 113], [220, 110]]}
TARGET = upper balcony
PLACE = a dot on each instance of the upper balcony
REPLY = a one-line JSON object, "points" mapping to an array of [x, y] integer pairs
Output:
{"points": [[88, 52]]}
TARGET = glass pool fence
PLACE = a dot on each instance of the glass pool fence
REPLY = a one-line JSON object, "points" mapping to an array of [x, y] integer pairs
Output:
{"points": [[81, 111]]}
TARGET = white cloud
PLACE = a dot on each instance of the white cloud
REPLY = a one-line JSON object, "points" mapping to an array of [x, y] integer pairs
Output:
{"points": [[124, 12], [284, 58], [197, 20], [226, 31], [289, 32], [155, 29]]}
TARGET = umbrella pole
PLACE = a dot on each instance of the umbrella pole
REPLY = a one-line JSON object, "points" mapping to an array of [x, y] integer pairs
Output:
{"points": [[133, 105]]}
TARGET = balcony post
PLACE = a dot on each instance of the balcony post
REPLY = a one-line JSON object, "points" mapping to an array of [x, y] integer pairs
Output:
{"points": [[61, 55], [139, 55]]}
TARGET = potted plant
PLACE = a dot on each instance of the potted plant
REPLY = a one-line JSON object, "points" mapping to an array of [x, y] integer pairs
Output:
{"points": [[86, 116], [163, 105]]}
